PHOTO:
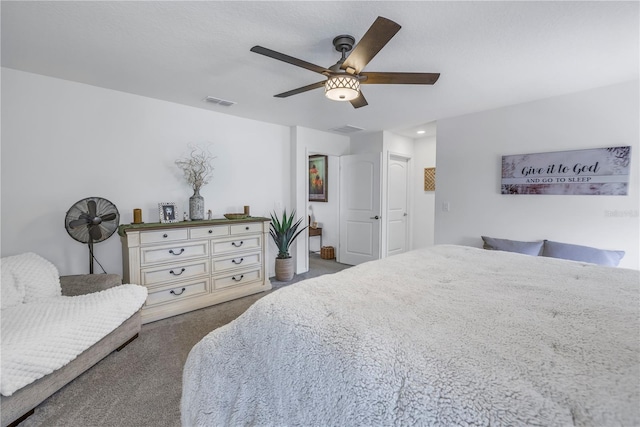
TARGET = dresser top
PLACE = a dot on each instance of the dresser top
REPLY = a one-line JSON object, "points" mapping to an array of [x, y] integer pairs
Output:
{"points": [[124, 228]]}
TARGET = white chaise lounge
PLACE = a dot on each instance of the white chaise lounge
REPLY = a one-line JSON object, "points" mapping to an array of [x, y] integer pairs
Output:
{"points": [[55, 328]]}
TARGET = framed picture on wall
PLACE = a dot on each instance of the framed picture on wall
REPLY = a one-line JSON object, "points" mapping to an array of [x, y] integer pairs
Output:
{"points": [[318, 166], [429, 179]]}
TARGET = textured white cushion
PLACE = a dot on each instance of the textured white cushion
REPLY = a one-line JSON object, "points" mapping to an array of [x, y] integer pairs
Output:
{"points": [[11, 293], [44, 336], [38, 277]]}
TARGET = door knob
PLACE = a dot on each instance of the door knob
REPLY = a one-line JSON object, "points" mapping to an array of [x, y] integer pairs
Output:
{"points": [[375, 217]]}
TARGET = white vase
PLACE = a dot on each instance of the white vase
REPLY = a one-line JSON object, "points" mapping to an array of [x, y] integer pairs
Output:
{"points": [[196, 206]]}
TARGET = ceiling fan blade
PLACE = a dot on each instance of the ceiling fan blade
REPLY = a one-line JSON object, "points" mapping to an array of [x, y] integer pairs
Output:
{"points": [[289, 59], [78, 222], [399, 78], [108, 217], [91, 204], [301, 89], [94, 232], [360, 101], [376, 37]]}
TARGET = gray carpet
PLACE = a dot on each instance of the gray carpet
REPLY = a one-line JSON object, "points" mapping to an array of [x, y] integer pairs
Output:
{"points": [[142, 384]]}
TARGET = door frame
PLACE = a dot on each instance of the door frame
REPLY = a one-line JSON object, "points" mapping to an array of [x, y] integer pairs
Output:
{"points": [[385, 201], [380, 211]]}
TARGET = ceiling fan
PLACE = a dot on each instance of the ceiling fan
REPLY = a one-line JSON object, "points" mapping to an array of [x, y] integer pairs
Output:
{"points": [[345, 76]]}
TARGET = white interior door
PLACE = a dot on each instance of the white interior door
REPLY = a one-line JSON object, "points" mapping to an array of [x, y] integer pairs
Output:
{"points": [[360, 213], [397, 205]]}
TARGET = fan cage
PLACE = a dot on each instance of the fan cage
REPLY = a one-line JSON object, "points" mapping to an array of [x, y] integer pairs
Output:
{"points": [[103, 207]]}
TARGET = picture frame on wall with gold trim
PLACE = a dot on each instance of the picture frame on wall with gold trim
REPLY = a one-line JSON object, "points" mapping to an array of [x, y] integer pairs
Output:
{"points": [[429, 179], [318, 167]]}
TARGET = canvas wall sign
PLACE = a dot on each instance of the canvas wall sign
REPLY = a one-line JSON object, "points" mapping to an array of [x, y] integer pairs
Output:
{"points": [[598, 171]]}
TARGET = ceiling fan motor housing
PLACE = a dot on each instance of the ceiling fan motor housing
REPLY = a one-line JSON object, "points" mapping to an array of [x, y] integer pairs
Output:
{"points": [[344, 43]]}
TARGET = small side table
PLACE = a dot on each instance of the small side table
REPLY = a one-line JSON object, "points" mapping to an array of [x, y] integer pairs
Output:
{"points": [[315, 232]]}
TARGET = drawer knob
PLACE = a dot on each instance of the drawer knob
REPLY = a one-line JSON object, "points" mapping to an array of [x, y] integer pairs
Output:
{"points": [[236, 245], [246, 228], [177, 274], [237, 262], [165, 235], [237, 280], [175, 293], [210, 231], [179, 253]]}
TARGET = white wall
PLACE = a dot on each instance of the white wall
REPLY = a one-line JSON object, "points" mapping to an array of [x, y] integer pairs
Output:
{"points": [[423, 218], [306, 142], [397, 144], [367, 143], [64, 141], [469, 168]]}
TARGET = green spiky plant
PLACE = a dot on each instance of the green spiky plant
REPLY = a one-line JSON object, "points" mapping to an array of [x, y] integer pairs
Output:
{"points": [[285, 232]]}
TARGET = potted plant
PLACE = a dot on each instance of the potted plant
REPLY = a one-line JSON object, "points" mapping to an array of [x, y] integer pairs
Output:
{"points": [[284, 232]]}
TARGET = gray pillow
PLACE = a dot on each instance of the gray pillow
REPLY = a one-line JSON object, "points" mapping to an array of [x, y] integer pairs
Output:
{"points": [[581, 253], [527, 248]]}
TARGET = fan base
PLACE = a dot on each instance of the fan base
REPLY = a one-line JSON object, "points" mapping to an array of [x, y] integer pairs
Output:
{"points": [[344, 43]]}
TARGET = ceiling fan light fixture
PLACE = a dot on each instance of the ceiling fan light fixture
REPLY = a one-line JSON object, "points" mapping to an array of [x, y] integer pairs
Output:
{"points": [[342, 88]]}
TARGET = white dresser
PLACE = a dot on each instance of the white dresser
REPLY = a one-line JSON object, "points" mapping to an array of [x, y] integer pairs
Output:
{"points": [[190, 265]]}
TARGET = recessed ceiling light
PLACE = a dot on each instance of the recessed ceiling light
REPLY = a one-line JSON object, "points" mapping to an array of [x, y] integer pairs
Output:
{"points": [[420, 132]]}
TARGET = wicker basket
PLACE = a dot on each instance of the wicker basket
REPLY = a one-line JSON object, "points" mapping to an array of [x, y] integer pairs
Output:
{"points": [[327, 252]]}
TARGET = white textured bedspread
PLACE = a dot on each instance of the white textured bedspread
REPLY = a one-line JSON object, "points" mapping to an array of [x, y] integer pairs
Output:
{"points": [[40, 337], [446, 336]]}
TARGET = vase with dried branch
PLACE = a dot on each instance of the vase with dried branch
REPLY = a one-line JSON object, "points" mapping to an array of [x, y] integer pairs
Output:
{"points": [[197, 171]]}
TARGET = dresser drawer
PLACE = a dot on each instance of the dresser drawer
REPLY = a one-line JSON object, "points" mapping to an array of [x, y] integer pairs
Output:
{"points": [[230, 262], [236, 279], [179, 292], [174, 272], [239, 244], [175, 253], [149, 237], [246, 228], [204, 232]]}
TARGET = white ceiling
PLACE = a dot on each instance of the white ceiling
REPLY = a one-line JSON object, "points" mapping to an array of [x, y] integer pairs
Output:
{"points": [[489, 54]]}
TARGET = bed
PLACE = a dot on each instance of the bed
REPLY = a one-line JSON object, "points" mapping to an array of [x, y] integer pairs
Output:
{"points": [[442, 336]]}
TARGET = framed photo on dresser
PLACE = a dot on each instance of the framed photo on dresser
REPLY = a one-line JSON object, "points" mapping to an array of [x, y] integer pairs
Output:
{"points": [[168, 212]]}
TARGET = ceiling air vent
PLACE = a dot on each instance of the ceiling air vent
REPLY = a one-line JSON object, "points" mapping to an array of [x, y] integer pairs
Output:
{"points": [[346, 129], [218, 101]]}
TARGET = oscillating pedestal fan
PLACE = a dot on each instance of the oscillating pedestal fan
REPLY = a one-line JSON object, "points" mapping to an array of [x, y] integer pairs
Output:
{"points": [[90, 221]]}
